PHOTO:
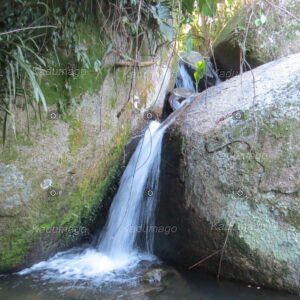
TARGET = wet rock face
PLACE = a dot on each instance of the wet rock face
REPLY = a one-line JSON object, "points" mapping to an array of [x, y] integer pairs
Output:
{"points": [[231, 179], [273, 33]]}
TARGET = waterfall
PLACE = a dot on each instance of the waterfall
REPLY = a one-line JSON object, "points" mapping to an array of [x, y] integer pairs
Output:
{"points": [[123, 242], [184, 79], [134, 204], [128, 236]]}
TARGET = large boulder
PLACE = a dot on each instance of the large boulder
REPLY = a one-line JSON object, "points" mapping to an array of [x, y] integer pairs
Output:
{"points": [[177, 97], [231, 179], [267, 29]]}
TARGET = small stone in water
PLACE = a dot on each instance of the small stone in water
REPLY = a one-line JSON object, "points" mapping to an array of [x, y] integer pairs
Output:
{"points": [[258, 288], [249, 286]]}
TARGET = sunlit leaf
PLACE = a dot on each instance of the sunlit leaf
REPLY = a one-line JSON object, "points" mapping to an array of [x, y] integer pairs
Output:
{"points": [[200, 72]]}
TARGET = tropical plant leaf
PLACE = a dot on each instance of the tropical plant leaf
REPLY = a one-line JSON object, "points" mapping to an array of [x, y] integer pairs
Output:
{"points": [[208, 7], [167, 30], [38, 94], [162, 14]]}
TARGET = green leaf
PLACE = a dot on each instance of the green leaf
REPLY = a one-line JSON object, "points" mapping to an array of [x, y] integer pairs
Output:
{"points": [[189, 44], [188, 5], [167, 31], [199, 74], [162, 14], [207, 7]]}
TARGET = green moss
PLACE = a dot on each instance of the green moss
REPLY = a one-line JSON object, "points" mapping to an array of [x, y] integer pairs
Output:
{"points": [[71, 211], [24, 139], [92, 189], [47, 225], [279, 130], [53, 87], [120, 75], [70, 79], [65, 161], [88, 79], [113, 102], [9, 154], [77, 137], [11, 151], [14, 247], [242, 131], [77, 208]]}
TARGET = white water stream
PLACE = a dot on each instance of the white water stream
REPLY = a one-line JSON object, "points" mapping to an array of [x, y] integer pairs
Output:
{"points": [[132, 211], [184, 79], [134, 204], [128, 236]]}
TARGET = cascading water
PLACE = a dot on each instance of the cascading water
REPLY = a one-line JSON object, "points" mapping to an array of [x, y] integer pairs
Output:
{"points": [[134, 204], [128, 236], [184, 79], [131, 211], [121, 266]]}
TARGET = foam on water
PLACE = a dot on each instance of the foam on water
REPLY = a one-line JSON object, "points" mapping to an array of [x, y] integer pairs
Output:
{"points": [[90, 265]]}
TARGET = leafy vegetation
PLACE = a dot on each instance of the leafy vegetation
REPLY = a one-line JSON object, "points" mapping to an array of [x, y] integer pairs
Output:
{"points": [[42, 50], [31, 36], [198, 75], [204, 22], [46, 60]]}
